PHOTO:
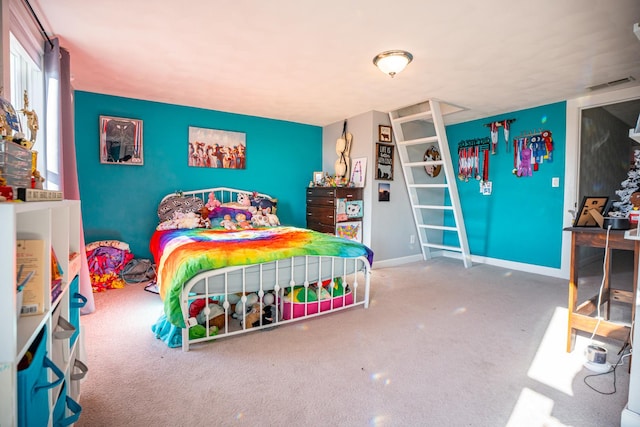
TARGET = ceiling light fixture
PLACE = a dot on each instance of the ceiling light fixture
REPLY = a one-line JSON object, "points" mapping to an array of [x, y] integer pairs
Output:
{"points": [[392, 61]]}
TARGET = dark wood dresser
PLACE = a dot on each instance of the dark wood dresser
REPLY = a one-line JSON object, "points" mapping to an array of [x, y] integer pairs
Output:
{"points": [[335, 210]]}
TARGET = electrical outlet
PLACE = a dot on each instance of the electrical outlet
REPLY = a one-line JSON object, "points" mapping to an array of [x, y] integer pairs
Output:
{"points": [[412, 239], [555, 181]]}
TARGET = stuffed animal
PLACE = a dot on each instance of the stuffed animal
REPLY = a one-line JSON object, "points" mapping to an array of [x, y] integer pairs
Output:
{"points": [[204, 214], [198, 310], [253, 317], [259, 220], [182, 220], [244, 199], [213, 202], [272, 219], [216, 316], [269, 315], [263, 203], [241, 219]]}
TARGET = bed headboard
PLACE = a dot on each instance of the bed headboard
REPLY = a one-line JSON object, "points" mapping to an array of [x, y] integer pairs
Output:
{"points": [[223, 194]]}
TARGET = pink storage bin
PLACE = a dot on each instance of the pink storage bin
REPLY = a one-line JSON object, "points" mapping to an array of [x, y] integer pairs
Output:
{"points": [[312, 307]]}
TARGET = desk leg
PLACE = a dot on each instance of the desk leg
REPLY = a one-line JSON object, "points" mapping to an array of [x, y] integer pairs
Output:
{"points": [[573, 293]]}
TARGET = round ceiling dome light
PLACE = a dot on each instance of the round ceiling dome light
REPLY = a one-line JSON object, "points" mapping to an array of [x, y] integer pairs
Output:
{"points": [[392, 62]]}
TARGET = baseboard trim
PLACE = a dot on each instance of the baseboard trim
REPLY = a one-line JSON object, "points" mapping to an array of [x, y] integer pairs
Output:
{"points": [[519, 266], [396, 261]]}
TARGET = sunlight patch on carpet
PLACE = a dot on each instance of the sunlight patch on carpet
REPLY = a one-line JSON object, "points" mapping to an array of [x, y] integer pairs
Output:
{"points": [[533, 410], [552, 365]]}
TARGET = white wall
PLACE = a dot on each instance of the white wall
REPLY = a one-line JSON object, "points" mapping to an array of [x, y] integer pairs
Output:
{"points": [[387, 226]]}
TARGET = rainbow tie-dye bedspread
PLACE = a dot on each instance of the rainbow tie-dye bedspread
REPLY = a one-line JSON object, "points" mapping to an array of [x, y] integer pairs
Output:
{"points": [[181, 254]]}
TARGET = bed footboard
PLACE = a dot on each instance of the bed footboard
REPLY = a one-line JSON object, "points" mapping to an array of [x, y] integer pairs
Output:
{"points": [[235, 300]]}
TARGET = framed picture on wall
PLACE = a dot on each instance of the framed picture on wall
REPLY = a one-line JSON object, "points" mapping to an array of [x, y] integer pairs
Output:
{"points": [[121, 141], [384, 162], [384, 133], [212, 148], [384, 192]]}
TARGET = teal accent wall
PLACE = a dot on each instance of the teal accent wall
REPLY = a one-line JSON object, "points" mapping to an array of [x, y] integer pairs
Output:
{"points": [[522, 219], [119, 201]]}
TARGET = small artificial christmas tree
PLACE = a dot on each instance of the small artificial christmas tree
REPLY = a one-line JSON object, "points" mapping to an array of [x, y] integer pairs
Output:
{"points": [[629, 186]]}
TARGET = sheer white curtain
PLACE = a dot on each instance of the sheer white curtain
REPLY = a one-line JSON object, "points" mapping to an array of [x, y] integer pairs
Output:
{"points": [[59, 124]]}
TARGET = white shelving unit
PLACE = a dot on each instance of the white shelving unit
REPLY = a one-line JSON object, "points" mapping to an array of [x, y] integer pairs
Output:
{"points": [[57, 225]]}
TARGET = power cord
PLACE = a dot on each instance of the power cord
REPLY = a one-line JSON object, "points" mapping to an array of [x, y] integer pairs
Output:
{"points": [[604, 276], [613, 369]]}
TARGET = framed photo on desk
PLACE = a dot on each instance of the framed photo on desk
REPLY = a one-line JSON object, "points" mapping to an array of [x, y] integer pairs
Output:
{"points": [[583, 217]]}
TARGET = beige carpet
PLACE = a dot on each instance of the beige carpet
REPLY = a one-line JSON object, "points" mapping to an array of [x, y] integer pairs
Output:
{"points": [[440, 345]]}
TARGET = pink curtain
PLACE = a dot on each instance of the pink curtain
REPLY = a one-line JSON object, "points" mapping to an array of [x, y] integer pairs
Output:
{"points": [[59, 101]]}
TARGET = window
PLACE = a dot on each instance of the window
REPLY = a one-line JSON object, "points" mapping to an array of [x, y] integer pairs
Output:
{"points": [[27, 75]]}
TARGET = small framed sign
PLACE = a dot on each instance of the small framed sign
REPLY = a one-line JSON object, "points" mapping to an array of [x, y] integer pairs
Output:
{"points": [[384, 133]]}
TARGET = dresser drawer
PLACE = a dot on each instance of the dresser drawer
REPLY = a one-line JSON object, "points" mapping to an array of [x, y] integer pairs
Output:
{"points": [[323, 228], [348, 193], [322, 214], [328, 202], [329, 192]]}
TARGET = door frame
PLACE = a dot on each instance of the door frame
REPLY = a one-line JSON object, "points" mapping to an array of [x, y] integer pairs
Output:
{"points": [[572, 156]]}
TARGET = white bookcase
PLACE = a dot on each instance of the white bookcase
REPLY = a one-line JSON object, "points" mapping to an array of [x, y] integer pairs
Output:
{"points": [[57, 225]]}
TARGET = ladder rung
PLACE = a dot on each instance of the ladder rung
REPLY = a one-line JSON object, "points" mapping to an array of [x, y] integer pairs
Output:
{"points": [[441, 207], [438, 227], [423, 115], [427, 140], [427, 163], [428, 185], [445, 247]]}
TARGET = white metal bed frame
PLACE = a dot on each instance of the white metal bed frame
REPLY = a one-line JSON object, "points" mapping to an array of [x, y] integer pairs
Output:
{"points": [[273, 276]]}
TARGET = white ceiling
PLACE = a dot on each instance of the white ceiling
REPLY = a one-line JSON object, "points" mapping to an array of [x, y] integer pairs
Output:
{"points": [[311, 61]]}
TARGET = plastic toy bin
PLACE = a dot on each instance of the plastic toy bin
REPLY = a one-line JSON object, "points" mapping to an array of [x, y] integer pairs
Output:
{"points": [[312, 307], [34, 385]]}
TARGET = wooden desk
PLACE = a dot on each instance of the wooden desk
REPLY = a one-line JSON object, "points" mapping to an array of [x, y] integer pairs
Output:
{"points": [[580, 315]]}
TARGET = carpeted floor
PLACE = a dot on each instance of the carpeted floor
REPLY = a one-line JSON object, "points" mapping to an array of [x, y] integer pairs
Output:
{"points": [[440, 345]]}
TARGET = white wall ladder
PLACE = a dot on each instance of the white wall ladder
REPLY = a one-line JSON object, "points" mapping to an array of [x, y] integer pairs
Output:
{"points": [[434, 199]]}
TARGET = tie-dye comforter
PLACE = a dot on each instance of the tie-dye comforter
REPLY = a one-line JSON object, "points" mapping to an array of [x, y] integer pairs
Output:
{"points": [[183, 253]]}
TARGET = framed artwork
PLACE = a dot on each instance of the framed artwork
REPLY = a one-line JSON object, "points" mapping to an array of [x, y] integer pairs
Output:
{"points": [[351, 230], [358, 171], [384, 162], [121, 141], [583, 217], [384, 133], [212, 148], [384, 192], [317, 178]]}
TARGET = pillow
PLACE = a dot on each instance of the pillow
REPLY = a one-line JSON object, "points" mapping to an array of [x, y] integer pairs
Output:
{"points": [[181, 204]]}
